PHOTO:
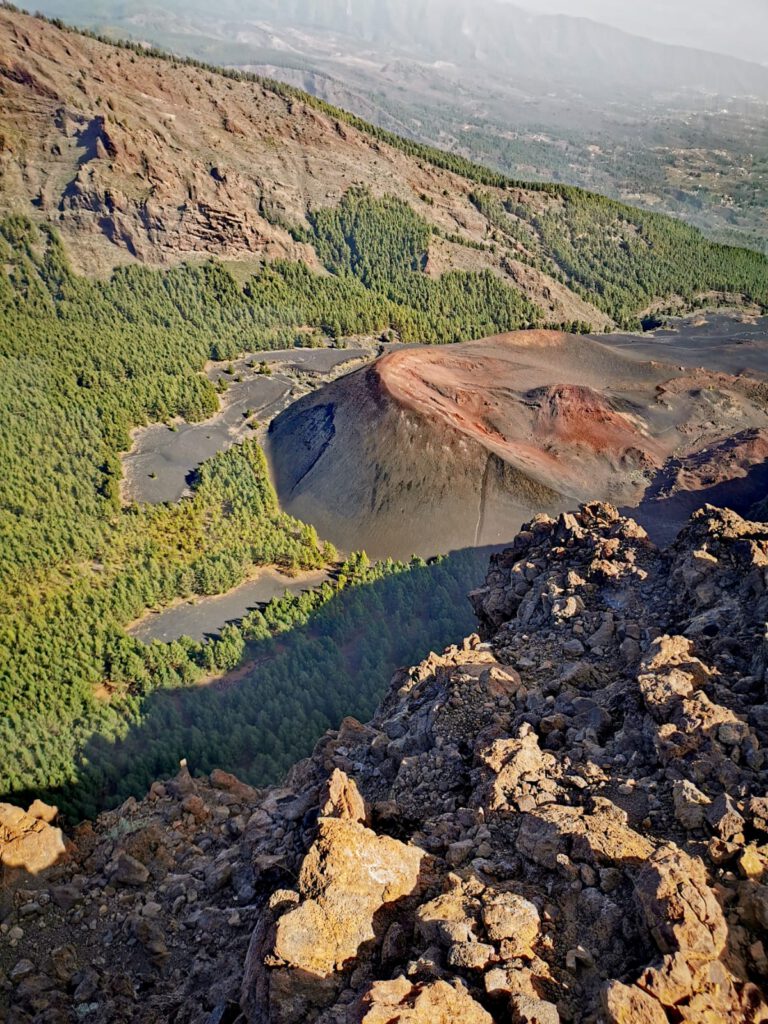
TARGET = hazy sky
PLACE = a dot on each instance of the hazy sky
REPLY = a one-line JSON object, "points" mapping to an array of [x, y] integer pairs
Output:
{"points": [[737, 27]]}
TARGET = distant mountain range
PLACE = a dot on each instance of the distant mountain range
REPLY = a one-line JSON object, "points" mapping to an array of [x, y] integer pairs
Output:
{"points": [[739, 28], [535, 51]]}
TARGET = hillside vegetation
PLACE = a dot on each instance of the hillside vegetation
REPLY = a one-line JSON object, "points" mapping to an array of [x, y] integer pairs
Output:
{"points": [[139, 155], [83, 361], [307, 663], [111, 158], [684, 132]]}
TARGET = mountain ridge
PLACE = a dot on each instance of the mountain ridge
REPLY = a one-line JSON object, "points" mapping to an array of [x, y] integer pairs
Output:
{"points": [[125, 178], [134, 203], [445, 30], [557, 820], [536, 110]]}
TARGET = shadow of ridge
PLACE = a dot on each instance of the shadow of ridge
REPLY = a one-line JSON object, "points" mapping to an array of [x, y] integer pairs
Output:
{"points": [[664, 517], [267, 713]]}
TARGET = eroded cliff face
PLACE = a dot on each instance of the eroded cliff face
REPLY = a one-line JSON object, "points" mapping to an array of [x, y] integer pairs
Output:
{"points": [[562, 819], [135, 158]]}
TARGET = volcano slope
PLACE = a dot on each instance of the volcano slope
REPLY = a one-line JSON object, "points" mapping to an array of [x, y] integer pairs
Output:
{"points": [[437, 448]]}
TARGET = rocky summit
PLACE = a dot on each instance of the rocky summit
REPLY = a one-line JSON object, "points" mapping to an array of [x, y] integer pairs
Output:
{"points": [[564, 818]]}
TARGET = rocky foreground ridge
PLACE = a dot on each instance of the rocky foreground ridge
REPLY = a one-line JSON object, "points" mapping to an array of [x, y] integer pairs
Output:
{"points": [[564, 819]]}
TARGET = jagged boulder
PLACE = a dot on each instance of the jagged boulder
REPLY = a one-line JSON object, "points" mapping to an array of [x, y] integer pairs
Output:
{"points": [[681, 910], [627, 1004], [401, 1002], [511, 919], [348, 885], [28, 843], [340, 798]]}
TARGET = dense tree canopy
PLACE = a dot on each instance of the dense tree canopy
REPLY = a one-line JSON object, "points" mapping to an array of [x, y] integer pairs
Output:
{"points": [[83, 361], [310, 660]]}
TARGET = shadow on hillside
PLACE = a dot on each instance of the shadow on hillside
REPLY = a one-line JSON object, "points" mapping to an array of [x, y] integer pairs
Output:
{"points": [[664, 515], [269, 712]]}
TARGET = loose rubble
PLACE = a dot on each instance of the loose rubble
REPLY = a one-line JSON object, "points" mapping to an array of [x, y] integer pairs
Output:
{"points": [[564, 819]]}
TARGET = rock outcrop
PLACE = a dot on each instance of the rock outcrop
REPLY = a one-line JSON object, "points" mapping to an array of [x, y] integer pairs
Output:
{"points": [[29, 843], [563, 819], [350, 882]]}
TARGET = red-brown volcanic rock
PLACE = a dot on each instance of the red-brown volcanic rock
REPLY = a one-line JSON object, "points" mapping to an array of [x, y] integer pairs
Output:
{"points": [[442, 447], [139, 158], [732, 472]]}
